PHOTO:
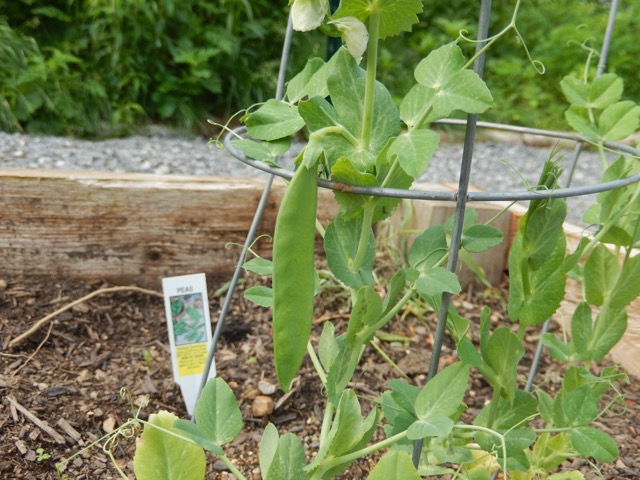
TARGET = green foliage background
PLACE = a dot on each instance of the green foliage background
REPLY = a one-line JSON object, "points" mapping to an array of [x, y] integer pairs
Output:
{"points": [[101, 67]]}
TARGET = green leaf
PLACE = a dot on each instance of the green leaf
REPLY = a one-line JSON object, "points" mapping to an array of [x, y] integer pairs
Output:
{"points": [[434, 426], [340, 243], [263, 151], [443, 394], [414, 150], [557, 348], [348, 429], [273, 120], [217, 412], [580, 406], [428, 248], [367, 309], [259, 265], [318, 113], [578, 119], [574, 475], [268, 448], [591, 442], [455, 88], [479, 238], [502, 354], [437, 280], [582, 330], [289, 461], [601, 92], [260, 295], [395, 15], [608, 329], [394, 465], [508, 414], [549, 452], [305, 83], [600, 273], [344, 172], [618, 121], [328, 348], [627, 287], [164, 457], [195, 433]]}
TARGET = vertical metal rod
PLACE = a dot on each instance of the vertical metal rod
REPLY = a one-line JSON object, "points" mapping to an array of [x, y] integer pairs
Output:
{"points": [[602, 63], [252, 229], [461, 202]]}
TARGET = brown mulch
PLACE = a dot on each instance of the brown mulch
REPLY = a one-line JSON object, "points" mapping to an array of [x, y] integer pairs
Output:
{"points": [[60, 387]]}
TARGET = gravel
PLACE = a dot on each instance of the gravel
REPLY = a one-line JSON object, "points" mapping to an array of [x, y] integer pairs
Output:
{"points": [[497, 166]]}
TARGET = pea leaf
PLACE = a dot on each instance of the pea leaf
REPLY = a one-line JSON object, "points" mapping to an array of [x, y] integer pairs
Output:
{"points": [[443, 394], [601, 271], [217, 412], [437, 425], [394, 464], [318, 113], [195, 433], [268, 448], [627, 287], [580, 406], [582, 330], [273, 120], [618, 121], [341, 244], [578, 119], [502, 353], [260, 295], [455, 88], [395, 15], [478, 238], [437, 280], [591, 442], [163, 457], [414, 150], [428, 248], [259, 265], [289, 461], [608, 330], [306, 83], [346, 86], [344, 172], [601, 92], [263, 151]]}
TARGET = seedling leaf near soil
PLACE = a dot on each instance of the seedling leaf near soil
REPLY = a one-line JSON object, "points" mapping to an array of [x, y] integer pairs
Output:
{"points": [[357, 136]]}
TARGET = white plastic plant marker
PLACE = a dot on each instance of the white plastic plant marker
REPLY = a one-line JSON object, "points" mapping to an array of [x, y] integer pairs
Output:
{"points": [[189, 326]]}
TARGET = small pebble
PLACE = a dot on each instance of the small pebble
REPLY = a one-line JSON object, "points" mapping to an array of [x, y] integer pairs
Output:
{"points": [[262, 406]]}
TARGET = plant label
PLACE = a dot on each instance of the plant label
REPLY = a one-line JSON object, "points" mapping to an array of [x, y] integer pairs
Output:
{"points": [[189, 325]]}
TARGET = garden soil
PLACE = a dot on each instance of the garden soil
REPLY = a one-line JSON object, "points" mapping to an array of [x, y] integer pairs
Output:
{"points": [[61, 386]]}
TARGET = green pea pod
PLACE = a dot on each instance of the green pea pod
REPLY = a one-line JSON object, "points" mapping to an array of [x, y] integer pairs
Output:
{"points": [[293, 273]]}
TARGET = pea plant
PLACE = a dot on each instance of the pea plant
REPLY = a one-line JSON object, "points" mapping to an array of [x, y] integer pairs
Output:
{"points": [[358, 136]]}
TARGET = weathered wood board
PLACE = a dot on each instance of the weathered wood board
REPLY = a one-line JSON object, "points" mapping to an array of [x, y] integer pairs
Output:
{"points": [[129, 227]]}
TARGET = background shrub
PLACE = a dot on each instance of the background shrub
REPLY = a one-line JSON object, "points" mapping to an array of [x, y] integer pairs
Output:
{"points": [[101, 67]]}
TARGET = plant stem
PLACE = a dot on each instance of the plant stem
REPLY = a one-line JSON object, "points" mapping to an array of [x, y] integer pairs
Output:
{"points": [[232, 468], [326, 422], [351, 457], [370, 82], [316, 364], [365, 234]]}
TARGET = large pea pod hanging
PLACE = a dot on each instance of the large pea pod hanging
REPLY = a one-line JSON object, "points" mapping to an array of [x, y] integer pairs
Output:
{"points": [[293, 273]]}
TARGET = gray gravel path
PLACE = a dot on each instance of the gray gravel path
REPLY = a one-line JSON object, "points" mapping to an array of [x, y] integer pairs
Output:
{"points": [[169, 154]]}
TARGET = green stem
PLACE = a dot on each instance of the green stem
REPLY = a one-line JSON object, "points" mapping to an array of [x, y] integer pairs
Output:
{"points": [[365, 233], [232, 468], [393, 312], [351, 457], [370, 82], [337, 130], [326, 423], [316, 363]]}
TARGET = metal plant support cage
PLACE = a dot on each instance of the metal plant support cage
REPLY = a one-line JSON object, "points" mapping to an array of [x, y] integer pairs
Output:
{"points": [[461, 197]]}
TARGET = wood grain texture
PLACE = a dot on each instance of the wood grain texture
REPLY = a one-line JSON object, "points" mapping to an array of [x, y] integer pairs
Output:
{"points": [[129, 227]]}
